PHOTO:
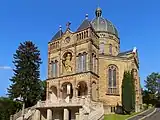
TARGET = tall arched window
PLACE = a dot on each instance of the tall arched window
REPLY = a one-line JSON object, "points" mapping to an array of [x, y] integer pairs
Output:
{"points": [[94, 63], [102, 48], [110, 49], [112, 79], [82, 62], [54, 65]]}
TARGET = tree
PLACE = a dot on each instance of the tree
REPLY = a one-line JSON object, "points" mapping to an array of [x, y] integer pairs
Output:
{"points": [[8, 107], [26, 80], [128, 92], [44, 85], [146, 97], [152, 82], [133, 90]]}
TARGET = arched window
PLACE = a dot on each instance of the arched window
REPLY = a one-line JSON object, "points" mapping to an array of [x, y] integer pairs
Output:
{"points": [[112, 79], [82, 62], [94, 63], [54, 68], [110, 49], [102, 48]]}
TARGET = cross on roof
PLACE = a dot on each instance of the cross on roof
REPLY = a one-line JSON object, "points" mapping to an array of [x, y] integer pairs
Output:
{"points": [[68, 25]]}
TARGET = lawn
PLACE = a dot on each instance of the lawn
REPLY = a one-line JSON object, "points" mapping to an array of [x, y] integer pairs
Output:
{"points": [[118, 117]]}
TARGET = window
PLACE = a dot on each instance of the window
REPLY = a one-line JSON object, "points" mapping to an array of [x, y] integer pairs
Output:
{"points": [[112, 79], [82, 62], [54, 68], [110, 49], [113, 109], [94, 63], [102, 48]]}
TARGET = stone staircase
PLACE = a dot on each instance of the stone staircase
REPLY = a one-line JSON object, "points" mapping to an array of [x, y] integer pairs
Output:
{"points": [[90, 110]]}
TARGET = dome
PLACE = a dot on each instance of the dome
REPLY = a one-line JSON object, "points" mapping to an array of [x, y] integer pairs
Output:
{"points": [[103, 25]]}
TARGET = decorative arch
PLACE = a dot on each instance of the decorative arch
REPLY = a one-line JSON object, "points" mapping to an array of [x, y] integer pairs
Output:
{"points": [[112, 79], [67, 90], [82, 88], [53, 93]]}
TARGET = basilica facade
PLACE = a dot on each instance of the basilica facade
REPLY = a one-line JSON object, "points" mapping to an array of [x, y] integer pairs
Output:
{"points": [[88, 63], [85, 72]]}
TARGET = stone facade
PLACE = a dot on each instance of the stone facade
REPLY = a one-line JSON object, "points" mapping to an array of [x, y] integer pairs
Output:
{"points": [[85, 72]]}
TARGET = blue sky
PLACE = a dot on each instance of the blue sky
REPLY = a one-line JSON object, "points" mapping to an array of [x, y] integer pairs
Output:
{"points": [[138, 23]]}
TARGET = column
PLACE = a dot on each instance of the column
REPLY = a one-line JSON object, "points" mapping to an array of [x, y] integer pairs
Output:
{"points": [[11, 117], [66, 114], [77, 116], [37, 115], [86, 116], [49, 114]]}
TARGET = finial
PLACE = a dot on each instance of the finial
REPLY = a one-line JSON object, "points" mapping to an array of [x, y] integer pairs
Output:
{"points": [[68, 25], [60, 27], [98, 12], [86, 16]]}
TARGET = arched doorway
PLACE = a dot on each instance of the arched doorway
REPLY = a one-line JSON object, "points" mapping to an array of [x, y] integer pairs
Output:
{"points": [[67, 90], [82, 88], [53, 93]]}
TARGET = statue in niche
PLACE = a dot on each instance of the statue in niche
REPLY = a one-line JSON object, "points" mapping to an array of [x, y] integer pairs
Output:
{"points": [[67, 62]]}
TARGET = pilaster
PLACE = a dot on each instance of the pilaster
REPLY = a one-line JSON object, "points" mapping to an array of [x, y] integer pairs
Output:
{"points": [[66, 114], [49, 114]]}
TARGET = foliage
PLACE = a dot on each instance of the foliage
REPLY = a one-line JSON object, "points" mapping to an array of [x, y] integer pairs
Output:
{"points": [[44, 85], [25, 82], [133, 90], [152, 92], [152, 82], [128, 92], [8, 107]]}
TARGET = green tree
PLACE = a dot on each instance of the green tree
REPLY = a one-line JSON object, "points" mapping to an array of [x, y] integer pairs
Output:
{"points": [[152, 82], [26, 80], [8, 107], [152, 92], [128, 92], [133, 90], [44, 87]]}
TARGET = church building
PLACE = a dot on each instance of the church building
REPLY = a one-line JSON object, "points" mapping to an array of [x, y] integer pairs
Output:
{"points": [[85, 72]]}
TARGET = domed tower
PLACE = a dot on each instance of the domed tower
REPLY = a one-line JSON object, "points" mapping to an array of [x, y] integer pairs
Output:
{"points": [[109, 40]]}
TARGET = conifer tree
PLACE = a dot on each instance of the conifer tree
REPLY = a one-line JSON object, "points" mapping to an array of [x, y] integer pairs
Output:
{"points": [[128, 92], [26, 81], [133, 91]]}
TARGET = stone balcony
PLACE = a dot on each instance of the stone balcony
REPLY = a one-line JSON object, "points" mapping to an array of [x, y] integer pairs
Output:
{"points": [[61, 103]]}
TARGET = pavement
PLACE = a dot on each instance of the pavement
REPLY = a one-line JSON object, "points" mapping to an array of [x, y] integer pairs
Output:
{"points": [[154, 116], [143, 115]]}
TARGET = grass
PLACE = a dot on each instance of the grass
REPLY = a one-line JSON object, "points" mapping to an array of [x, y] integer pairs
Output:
{"points": [[118, 116]]}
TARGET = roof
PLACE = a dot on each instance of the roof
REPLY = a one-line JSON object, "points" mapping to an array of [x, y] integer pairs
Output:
{"points": [[85, 24], [103, 25], [57, 35], [125, 53]]}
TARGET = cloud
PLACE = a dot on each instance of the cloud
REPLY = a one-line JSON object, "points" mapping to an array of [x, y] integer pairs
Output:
{"points": [[5, 67]]}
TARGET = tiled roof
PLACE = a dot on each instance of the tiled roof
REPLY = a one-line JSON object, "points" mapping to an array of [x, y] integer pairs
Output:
{"points": [[85, 24], [57, 35]]}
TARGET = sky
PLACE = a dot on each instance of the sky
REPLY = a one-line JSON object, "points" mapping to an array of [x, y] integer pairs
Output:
{"points": [[137, 21]]}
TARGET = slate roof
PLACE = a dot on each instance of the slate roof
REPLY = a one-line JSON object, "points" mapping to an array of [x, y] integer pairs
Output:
{"points": [[57, 35], [125, 53], [85, 24]]}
